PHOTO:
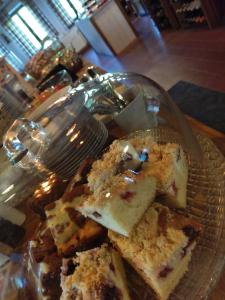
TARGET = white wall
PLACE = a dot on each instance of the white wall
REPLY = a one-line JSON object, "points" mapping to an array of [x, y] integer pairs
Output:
{"points": [[74, 38]]}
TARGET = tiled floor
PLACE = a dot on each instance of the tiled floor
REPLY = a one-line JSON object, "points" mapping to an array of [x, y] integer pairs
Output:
{"points": [[196, 56]]}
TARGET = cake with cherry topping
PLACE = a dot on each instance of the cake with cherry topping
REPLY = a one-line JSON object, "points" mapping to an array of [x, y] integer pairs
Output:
{"points": [[121, 155], [160, 247], [167, 163], [70, 230], [97, 274], [119, 193]]}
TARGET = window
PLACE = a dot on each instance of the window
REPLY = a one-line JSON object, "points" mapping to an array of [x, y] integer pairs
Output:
{"points": [[28, 29], [11, 58], [67, 10]]}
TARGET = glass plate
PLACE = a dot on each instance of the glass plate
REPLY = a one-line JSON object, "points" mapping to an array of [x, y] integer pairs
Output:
{"points": [[206, 203]]}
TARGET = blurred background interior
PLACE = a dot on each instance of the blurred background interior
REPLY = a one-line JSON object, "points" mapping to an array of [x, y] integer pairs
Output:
{"points": [[170, 40], [47, 46]]}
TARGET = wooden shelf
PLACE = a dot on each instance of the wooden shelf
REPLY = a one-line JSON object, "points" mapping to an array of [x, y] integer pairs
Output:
{"points": [[210, 12], [162, 13], [171, 15]]}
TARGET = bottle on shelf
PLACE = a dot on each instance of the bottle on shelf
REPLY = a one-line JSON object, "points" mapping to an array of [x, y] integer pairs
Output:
{"points": [[189, 12]]}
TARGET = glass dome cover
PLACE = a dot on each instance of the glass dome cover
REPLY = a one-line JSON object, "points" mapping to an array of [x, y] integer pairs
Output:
{"points": [[136, 102], [69, 126]]}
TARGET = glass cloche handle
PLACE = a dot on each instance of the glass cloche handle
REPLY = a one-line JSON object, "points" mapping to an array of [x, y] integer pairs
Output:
{"points": [[25, 142]]}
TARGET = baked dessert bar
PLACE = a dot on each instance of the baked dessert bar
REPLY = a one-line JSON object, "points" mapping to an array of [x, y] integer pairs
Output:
{"points": [[160, 247], [98, 275], [70, 230], [120, 194], [167, 163]]}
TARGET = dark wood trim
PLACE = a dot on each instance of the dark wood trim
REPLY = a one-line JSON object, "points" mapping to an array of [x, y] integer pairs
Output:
{"points": [[170, 13], [210, 10], [216, 136], [220, 8], [211, 132]]}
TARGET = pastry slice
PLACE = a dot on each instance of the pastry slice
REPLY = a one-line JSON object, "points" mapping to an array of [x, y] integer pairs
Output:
{"points": [[120, 157], [168, 164], [160, 247], [70, 230], [97, 274], [119, 192], [121, 203]]}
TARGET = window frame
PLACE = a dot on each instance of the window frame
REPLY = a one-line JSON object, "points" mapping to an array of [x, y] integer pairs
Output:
{"points": [[63, 14], [16, 13], [24, 41], [26, 24]]}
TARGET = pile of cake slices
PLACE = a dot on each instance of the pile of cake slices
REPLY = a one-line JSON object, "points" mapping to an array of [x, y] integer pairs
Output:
{"points": [[111, 211]]}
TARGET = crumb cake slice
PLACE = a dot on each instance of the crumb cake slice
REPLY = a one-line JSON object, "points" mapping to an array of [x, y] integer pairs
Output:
{"points": [[168, 164], [70, 230], [120, 194], [140, 154], [121, 204], [160, 247], [96, 274]]}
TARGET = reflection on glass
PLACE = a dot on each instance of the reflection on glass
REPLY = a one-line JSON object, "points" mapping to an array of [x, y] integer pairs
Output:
{"points": [[45, 187], [8, 189], [10, 197], [73, 137], [71, 130]]}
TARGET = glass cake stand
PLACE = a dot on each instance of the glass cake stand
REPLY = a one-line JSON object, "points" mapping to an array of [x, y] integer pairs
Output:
{"points": [[205, 203], [112, 94]]}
